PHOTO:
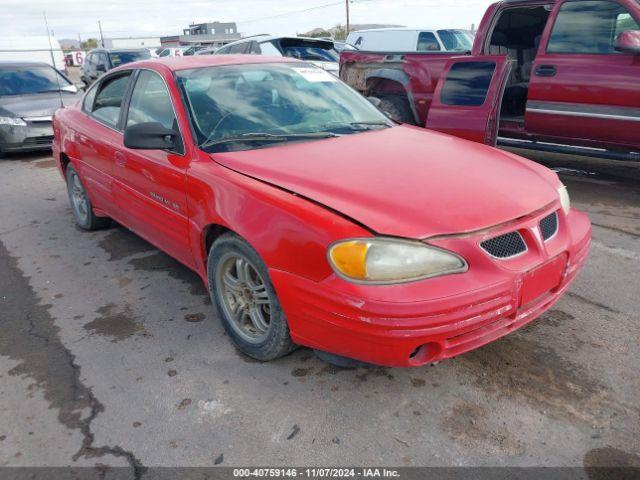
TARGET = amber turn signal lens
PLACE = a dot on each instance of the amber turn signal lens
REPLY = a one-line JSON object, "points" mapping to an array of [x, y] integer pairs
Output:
{"points": [[350, 258]]}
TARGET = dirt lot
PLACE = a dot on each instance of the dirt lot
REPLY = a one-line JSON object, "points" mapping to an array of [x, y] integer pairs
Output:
{"points": [[111, 354]]}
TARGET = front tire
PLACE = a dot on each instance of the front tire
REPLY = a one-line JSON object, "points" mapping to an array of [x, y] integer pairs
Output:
{"points": [[247, 303], [81, 205], [397, 108]]}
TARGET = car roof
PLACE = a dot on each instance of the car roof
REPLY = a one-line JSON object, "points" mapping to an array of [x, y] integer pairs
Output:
{"points": [[201, 61], [398, 29], [112, 50], [263, 37]]}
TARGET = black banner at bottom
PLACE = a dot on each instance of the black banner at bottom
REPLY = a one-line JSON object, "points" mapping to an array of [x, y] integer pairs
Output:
{"points": [[316, 473]]}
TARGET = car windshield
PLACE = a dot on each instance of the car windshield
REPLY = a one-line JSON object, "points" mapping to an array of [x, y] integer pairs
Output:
{"points": [[25, 80], [456, 40], [120, 58], [242, 107]]}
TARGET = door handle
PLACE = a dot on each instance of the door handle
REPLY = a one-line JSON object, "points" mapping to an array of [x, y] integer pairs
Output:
{"points": [[546, 70], [121, 160]]}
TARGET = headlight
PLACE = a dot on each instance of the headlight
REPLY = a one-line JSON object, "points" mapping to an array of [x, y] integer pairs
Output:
{"points": [[565, 201], [389, 260], [15, 121]]}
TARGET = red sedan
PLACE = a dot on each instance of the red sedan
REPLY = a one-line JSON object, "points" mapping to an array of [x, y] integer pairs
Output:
{"points": [[313, 219]]}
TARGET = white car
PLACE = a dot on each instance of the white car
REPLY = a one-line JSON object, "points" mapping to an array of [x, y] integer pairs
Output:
{"points": [[320, 52], [30, 48], [411, 40]]}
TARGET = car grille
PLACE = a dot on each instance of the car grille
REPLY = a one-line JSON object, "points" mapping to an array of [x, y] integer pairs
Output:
{"points": [[549, 226], [505, 246], [46, 140]]}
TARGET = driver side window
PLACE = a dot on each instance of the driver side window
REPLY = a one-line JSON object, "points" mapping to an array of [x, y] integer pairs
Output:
{"points": [[589, 27], [151, 102]]}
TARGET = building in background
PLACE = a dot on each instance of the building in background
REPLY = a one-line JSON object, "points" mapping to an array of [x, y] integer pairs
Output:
{"points": [[132, 42], [214, 34]]}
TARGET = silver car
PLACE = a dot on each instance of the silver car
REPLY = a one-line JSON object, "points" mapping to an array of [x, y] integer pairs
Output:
{"points": [[319, 51], [30, 93]]}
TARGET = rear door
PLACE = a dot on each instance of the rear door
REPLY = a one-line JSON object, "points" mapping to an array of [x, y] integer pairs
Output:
{"points": [[100, 138], [582, 90], [467, 100]]}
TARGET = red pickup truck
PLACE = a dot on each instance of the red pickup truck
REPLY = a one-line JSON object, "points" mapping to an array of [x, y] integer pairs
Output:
{"points": [[561, 76]]}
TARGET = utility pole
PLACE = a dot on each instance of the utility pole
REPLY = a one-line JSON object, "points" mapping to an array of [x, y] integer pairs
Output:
{"points": [[101, 36], [348, 21]]}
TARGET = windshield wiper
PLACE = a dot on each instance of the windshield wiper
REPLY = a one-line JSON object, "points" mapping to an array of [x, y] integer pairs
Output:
{"points": [[357, 126], [267, 137]]}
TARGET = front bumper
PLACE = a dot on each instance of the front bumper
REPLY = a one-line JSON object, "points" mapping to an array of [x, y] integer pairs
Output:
{"points": [[36, 135], [416, 323]]}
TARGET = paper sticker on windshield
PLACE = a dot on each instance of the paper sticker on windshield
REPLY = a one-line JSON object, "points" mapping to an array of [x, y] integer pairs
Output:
{"points": [[311, 74]]}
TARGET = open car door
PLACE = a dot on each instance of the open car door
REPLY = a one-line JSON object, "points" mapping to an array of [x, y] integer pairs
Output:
{"points": [[468, 97]]}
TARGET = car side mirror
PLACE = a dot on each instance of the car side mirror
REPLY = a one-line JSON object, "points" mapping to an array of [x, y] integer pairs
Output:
{"points": [[628, 42], [101, 68], [149, 136]]}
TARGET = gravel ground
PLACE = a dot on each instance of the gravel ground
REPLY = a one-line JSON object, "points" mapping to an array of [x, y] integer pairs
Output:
{"points": [[112, 354]]}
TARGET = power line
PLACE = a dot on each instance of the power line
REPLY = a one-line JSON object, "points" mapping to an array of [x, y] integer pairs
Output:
{"points": [[292, 12]]}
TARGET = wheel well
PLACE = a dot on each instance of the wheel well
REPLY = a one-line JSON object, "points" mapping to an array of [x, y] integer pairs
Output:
{"points": [[383, 86], [64, 161], [210, 234]]}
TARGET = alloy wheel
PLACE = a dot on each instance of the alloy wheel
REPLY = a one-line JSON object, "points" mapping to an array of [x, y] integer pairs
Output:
{"points": [[244, 297]]}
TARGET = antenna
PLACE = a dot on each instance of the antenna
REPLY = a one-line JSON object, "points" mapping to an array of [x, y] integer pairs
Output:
{"points": [[53, 60]]}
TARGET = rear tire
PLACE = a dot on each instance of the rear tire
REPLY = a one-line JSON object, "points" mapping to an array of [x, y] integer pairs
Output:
{"points": [[397, 108], [247, 303], [81, 205]]}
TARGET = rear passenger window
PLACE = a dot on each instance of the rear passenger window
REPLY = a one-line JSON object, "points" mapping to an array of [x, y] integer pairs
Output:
{"points": [[468, 83], [239, 48], [87, 104], [589, 27], [254, 48], [108, 101], [427, 42]]}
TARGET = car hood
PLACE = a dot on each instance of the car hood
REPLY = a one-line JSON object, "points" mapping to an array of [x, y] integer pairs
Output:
{"points": [[405, 181], [35, 105]]}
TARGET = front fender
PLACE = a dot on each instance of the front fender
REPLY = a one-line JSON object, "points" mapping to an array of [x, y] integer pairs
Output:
{"points": [[289, 232]]}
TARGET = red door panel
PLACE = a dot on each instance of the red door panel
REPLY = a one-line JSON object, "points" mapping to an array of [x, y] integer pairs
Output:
{"points": [[583, 91], [467, 99], [150, 188], [591, 97], [96, 146]]}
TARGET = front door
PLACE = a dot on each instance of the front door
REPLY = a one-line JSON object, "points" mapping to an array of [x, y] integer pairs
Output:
{"points": [[467, 100], [150, 184], [582, 90]]}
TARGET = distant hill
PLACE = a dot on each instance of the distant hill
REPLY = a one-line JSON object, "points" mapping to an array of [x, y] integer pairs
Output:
{"points": [[69, 44], [320, 32]]}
